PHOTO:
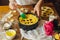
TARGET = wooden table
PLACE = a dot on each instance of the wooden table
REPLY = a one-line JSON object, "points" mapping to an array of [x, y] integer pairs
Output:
{"points": [[6, 9]]}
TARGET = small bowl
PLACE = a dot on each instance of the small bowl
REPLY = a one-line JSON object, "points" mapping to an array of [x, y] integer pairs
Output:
{"points": [[10, 34]]}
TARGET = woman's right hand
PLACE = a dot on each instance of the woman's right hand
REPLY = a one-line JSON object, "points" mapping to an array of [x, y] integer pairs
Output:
{"points": [[12, 4]]}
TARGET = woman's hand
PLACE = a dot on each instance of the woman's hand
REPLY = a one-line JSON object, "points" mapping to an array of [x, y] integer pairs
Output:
{"points": [[37, 10], [12, 4]]}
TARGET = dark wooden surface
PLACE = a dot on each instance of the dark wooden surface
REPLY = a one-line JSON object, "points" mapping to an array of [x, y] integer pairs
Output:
{"points": [[4, 2]]}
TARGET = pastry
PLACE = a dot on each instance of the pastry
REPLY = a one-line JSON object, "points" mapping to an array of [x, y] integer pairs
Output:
{"points": [[29, 23], [30, 20], [46, 11]]}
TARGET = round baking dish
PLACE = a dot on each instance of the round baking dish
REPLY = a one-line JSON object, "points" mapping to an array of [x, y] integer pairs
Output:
{"points": [[28, 26]]}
